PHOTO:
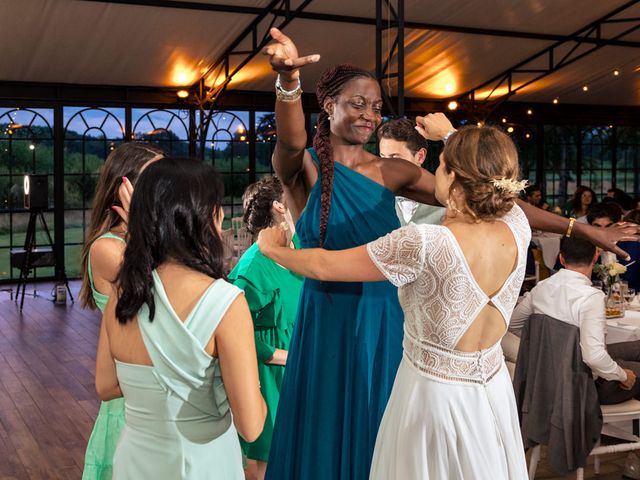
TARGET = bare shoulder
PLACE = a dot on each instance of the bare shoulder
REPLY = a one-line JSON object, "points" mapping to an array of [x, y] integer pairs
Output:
{"points": [[398, 173], [106, 257]]}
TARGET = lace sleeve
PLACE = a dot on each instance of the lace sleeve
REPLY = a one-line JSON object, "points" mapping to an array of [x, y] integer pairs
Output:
{"points": [[399, 255]]}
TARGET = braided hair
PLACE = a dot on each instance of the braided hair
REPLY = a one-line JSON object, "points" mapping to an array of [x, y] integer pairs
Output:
{"points": [[330, 85]]}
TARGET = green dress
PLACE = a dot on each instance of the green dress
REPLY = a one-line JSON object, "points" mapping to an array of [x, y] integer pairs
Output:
{"points": [[98, 458], [178, 422], [272, 293]]}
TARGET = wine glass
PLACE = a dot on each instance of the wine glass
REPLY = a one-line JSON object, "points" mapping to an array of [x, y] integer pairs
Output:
{"points": [[629, 295]]}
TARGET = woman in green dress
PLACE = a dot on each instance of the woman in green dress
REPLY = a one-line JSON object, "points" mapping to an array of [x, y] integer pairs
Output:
{"points": [[101, 259], [272, 293]]}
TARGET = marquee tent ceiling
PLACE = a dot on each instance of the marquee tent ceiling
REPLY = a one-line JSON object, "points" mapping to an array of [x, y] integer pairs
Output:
{"points": [[139, 44]]}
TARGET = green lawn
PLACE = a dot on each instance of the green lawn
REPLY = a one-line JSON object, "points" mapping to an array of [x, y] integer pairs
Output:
{"points": [[73, 234]]}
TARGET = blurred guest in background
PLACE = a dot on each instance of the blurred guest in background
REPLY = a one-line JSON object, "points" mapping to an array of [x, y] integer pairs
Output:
{"points": [[398, 138], [582, 200]]}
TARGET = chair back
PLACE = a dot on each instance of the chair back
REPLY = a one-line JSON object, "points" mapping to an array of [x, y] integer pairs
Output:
{"points": [[555, 393]]}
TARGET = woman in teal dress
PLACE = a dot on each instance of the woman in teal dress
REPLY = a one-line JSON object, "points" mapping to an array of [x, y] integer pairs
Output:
{"points": [[177, 339], [101, 259], [272, 293]]}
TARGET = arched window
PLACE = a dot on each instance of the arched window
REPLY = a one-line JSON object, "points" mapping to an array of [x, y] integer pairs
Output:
{"points": [[26, 147], [89, 135], [166, 128], [227, 147]]}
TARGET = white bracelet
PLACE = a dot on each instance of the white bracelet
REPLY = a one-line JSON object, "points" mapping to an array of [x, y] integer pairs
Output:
{"points": [[448, 134], [288, 95]]}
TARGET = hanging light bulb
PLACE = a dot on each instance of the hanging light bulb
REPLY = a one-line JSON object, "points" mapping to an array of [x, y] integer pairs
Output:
{"points": [[585, 88], [555, 101], [452, 105]]}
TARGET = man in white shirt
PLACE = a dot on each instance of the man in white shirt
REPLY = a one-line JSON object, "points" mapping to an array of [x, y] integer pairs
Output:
{"points": [[398, 138], [569, 297]]}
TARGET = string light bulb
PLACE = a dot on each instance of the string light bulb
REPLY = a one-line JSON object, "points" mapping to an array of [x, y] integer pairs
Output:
{"points": [[555, 101], [529, 112], [504, 120], [182, 93], [585, 88], [510, 130], [527, 135], [616, 72], [452, 105]]}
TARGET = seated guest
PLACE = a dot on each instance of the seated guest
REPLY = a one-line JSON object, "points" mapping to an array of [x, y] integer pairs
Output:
{"points": [[632, 275], [621, 198], [533, 194], [604, 215], [399, 139], [177, 340], [583, 199], [272, 293], [569, 297]]}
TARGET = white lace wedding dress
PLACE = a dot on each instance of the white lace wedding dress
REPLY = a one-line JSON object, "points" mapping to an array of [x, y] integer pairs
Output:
{"points": [[452, 415]]}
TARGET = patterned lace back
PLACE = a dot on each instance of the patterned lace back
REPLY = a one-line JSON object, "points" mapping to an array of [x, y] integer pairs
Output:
{"points": [[441, 298]]}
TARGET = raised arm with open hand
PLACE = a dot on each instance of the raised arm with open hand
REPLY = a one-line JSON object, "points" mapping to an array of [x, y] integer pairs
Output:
{"points": [[284, 58], [295, 172]]}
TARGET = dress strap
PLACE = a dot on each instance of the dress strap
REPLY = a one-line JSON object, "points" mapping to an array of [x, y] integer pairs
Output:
{"points": [[314, 156], [210, 310]]}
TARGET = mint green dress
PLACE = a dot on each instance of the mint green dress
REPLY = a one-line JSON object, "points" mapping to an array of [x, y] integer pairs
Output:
{"points": [[106, 431], [178, 423], [272, 293]]}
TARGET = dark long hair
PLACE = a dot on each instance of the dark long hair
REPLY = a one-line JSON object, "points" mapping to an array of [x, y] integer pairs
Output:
{"points": [[125, 161], [330, 85], [576, 201], [258, 201], [171, 218]]}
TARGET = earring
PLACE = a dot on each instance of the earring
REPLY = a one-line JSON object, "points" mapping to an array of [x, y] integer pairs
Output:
{"points": [[451, 205], [330, 116]]}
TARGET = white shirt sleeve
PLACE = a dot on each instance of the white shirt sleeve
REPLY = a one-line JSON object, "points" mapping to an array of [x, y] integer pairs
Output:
{"points": [[592, 339], [521, 314]]}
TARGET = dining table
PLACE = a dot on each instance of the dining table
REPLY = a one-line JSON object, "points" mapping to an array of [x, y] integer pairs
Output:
{"points": [[549, 243], [624, 329]]}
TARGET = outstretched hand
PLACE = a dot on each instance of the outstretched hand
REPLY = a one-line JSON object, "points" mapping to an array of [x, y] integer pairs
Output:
{"points": [[125, 192], [607, 238], [272, 237], [284, 58], [433, 126]]}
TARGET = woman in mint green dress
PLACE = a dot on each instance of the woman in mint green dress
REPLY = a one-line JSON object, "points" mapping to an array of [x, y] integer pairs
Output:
{"points": [[177, 339], [272, 293], [101, 260]]}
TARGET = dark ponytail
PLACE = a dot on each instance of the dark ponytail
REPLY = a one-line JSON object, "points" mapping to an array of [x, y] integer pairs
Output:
{"points": [[330, 85]]}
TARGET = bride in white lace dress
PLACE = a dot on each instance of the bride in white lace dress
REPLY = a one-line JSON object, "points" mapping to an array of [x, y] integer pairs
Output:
{"points": [[452, 412]]}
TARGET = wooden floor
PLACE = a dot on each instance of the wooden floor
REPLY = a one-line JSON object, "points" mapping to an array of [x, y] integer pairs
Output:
{"points": [[47, 398]]}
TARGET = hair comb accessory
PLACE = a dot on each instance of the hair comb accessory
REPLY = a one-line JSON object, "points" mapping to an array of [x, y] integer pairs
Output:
{"points": [[509, 185]]}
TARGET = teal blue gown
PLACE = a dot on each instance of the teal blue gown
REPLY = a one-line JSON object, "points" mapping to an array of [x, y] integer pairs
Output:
{"points": [[346, 345]]}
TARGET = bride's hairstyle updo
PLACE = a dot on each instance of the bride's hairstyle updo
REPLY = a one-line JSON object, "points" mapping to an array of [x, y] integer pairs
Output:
{"points": [[483, 159]]}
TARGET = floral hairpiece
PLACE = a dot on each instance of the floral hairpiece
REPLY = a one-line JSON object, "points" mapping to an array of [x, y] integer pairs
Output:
{"points": [[509, 185]]}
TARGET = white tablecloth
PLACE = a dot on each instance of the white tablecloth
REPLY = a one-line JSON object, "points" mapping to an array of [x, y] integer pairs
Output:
{"points": [[549, 243], [624, 329]]}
